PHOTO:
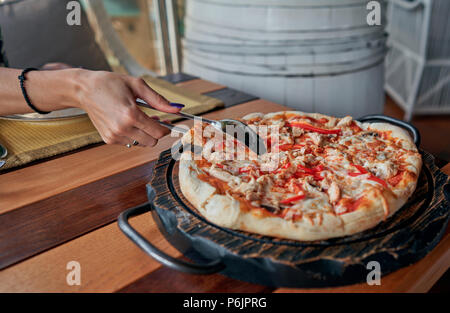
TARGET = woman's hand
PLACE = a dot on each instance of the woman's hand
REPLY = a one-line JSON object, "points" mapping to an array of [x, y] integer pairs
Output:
{"points": [[110, 101], [108, 98]]}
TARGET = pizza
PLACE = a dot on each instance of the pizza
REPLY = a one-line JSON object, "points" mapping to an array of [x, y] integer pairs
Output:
{"points": [[322, 177]]}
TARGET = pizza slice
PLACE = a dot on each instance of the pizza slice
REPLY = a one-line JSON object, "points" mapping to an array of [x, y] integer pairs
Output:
{"points": [[322, 177]]}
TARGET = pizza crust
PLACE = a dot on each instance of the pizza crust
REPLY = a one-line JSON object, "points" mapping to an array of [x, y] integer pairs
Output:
{"points": [[397, 132], [224, 210], [274, 114], [405, 189]]}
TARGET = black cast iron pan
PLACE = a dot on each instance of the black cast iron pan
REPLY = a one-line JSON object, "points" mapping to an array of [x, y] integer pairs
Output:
{"points": [[403, 239]]}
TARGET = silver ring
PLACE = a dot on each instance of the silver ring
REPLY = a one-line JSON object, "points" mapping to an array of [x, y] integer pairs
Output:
{"points": [[128, 145], [135, 143]]}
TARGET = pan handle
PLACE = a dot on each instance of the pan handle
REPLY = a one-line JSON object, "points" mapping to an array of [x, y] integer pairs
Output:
{"points": [[383, 118], [447, 192], [158, 255]]}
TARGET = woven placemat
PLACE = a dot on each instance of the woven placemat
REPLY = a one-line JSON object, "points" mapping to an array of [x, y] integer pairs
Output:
{"points": [[28, 141]]}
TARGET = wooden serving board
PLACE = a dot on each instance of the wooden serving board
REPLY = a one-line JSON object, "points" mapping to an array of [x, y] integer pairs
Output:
{"points": [[403, 239]]}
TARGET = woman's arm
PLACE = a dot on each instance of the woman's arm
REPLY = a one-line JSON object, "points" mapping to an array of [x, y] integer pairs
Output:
{"points": [[108, 98]]}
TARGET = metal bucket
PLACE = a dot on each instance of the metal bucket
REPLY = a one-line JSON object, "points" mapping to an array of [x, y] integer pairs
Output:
{"points": [[355, 93], [354, 56], [317, 56], [263, 20], [289, 46]]}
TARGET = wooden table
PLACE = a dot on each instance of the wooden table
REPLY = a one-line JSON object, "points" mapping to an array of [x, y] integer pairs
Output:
{"points": [[65, 209]]}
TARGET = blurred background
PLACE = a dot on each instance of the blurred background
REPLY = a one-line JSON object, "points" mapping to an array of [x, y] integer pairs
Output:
{"points": [[327, 56]]}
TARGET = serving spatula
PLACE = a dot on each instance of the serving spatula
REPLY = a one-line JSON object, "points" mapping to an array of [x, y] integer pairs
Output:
{"points": [[238, 129]]}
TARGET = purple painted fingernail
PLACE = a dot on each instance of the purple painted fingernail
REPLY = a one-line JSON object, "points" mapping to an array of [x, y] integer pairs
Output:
{"points": [[177, 105], [155, 117]]}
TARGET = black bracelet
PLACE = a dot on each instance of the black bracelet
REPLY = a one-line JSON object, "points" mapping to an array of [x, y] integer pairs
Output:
{"points": [[24, 92]]}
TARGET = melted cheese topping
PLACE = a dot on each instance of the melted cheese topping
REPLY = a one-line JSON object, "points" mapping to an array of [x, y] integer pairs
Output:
{"points": [[312, 166]]}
